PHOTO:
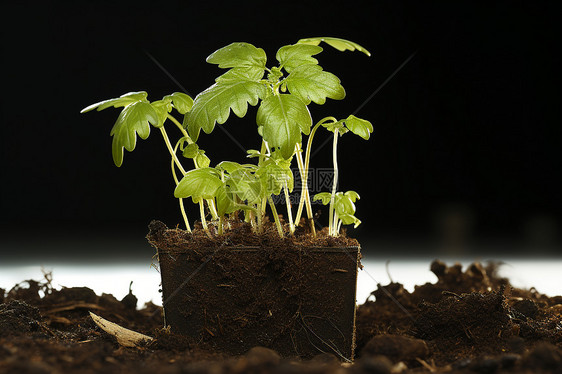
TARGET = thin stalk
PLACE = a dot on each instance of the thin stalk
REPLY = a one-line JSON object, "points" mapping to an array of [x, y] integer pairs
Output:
{"points": [[221, 223], [250, 218], [203, 220], [261, 214], [275, 216], [305, 196], [211, 203], [289, 212], [212, 208], [182, 207], [179, 126], [171, 150], [331, 217], [304, 187]]}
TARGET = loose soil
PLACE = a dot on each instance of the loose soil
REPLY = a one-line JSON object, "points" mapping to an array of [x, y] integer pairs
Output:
{"points": [[469, 321]]}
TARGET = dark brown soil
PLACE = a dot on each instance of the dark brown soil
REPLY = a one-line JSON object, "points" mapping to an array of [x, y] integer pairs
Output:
{"points": [[470, 321], [277, 293]]}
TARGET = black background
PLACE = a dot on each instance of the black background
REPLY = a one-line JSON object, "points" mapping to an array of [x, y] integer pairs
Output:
{"points": [[466, 135]]}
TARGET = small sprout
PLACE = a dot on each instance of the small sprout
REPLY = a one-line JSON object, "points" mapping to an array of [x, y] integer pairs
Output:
{"points": [[282, 94]]}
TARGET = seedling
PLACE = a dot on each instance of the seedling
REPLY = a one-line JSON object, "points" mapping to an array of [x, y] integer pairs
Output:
{"points": [[284, 93]]}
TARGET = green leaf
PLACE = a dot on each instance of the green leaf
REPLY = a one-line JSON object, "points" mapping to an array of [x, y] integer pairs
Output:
{"points": [[214, 104], [283, 118], [190, 150], [134, 118], [349, 219], [273, 177], [245, 185], [332, 126], [359, 126], [343, 204], [337, 43], [245, 60], [121, 101], [253, 153], [202, 160], [226, 203], [162, 108], [182, 102], [293, 56], [352, 195], [310, 82], [198, 184], [325, 197], [229, 166]]}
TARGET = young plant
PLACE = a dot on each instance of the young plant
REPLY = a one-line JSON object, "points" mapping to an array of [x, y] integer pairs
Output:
{"points": [[283, 93], [342, 207]]}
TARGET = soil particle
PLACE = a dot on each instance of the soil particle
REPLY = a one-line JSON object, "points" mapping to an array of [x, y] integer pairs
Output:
{"points": [[526, 307], [18, 317], [374, 365], [396, 347], [544, 356], [473, 317]]}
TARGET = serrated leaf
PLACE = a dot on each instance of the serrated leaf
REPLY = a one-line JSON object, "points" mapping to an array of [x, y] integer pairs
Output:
{"points": [[325, 197], [121, 101], [311, 83], [283, 118], [214, 104], [198, 184], [182, 102], [359, 126], [133, 120], [337, 43], [293, 56], [245, 60], [190, 150]]}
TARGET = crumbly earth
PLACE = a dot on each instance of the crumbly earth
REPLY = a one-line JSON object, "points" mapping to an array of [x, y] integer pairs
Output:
{"points": [[470, 321]]}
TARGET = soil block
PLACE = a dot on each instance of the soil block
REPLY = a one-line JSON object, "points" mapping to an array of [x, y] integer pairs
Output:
{"points": [[297, 300]]}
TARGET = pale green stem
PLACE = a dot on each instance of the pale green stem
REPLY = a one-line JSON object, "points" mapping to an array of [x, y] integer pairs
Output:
{"points": [[289, 212], [331, 217], [305, 195], [339, 225], [275, 216], [203, 220], [250, 218], [179, 126], [210, 202], [221, 223], [304, 187], [182, 207], [212, 208], [171, 150]]}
